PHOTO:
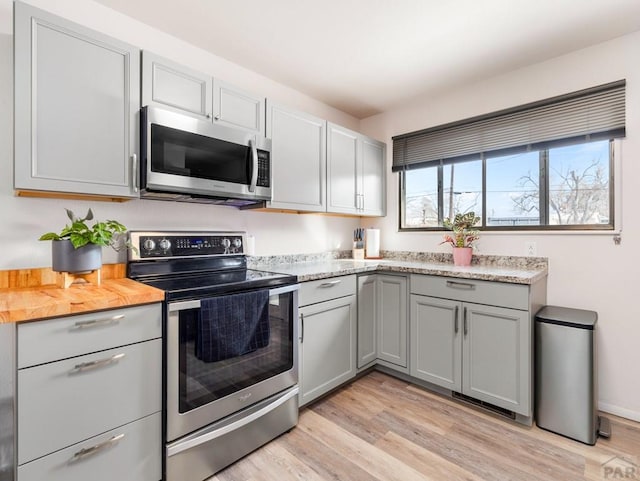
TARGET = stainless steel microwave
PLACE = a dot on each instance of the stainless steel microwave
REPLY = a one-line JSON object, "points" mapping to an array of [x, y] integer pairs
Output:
{"points": [[184, 158]]}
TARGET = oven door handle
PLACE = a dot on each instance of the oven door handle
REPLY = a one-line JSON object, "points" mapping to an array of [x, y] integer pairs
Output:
{"points": [[195, 304], [216, 433]]}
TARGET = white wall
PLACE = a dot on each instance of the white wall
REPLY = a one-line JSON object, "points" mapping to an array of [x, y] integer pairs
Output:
{"points": [[22, 220], [585, 270]]}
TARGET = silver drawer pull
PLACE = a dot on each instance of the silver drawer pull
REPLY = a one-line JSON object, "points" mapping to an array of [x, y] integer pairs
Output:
{"points": [[83, 453], [85, 366], [98, 322], [461, 285], [330, 283]]}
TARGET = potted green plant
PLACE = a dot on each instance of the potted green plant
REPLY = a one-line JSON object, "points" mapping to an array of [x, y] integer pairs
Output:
{"points": [[78, 247], [464, 235]]}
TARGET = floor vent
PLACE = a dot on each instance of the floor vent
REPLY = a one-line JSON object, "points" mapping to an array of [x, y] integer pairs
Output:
{"points": [[485, 405]]}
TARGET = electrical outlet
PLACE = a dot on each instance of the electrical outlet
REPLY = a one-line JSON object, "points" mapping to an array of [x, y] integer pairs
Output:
{"points": [[530, 248]]}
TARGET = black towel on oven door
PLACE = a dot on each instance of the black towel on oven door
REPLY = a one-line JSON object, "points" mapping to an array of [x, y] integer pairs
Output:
{"points": [[232, 325]]}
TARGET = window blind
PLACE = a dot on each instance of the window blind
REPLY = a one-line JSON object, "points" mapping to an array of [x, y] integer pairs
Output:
{"points": [[591, 114]]}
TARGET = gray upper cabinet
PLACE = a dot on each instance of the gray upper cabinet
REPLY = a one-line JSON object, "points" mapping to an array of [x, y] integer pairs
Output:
{"points": [[172, 86], [236, 108], [355, 173], [77, 96], [298, 153]]}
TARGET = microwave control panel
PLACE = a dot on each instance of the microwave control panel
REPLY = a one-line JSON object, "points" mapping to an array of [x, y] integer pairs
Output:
{"points": [[264, 169]]}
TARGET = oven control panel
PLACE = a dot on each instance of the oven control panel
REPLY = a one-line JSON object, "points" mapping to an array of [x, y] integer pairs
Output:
{"points": [[153, 245]]}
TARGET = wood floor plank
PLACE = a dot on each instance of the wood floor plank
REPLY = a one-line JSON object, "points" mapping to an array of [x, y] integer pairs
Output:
{"points": [[366, 456], [381, 428]]}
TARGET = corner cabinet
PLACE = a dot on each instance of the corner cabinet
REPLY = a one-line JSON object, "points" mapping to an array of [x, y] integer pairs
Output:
{"points": [[172, 86], [355, 173], [77, 97], [475, 338], [382, 320], [89, 396], [327, 335], [299, 161]]}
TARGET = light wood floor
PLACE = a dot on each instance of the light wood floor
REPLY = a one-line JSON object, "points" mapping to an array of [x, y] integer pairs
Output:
{"points": [[382, 429]]}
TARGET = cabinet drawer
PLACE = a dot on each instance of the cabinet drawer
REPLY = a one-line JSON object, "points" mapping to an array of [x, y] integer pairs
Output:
{"points": [[515, 296], [129, 453], [51, 340], [67, 401], [325, 289]]}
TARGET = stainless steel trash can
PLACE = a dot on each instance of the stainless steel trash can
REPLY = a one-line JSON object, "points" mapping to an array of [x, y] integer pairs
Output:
{"points": [[565, 373]]}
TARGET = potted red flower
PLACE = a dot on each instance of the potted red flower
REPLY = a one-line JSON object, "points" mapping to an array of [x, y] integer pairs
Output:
{"points": [[463, 237]]}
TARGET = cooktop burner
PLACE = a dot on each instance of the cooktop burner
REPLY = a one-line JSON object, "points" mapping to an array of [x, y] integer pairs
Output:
{"points": [[189, 265]]}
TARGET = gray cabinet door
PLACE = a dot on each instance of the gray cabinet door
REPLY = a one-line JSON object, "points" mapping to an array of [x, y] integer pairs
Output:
{"points": [[497, 356], [436, 347], [235, 108], [169, 85], [342, 175], [367, 319], [298, 159], [355, 173], [328, 346], [392, 319], [77, 97], [372, 178]]}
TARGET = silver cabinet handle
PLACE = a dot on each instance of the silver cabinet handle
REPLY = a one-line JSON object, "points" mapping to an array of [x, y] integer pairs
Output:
{"points": [[461, 285], [254, 171], [455, 320], [83, 453], [464, 316], [86, 366], [134, 172], [98, 322], [330, 283], [301, 328]]}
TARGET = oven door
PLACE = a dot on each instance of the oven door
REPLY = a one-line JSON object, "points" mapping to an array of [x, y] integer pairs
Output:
{"points": [[189, 156], [201, 390]]}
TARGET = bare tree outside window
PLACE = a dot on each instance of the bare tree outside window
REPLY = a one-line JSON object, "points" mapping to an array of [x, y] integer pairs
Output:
{"points": [[578, 189]]}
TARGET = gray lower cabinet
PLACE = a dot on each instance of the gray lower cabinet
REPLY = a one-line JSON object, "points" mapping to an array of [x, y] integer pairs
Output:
{"points": [[77, 96], [382, 319], [172, 86], [482, 351], [299, 160], [89, 401], [327, 335]]}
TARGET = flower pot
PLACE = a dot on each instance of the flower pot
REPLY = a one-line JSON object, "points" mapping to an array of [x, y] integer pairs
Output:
{"points": [[65, 258], [462, 256]]}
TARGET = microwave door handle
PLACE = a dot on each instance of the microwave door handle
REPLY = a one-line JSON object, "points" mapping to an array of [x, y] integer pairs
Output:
{"points": [[254, 170]]}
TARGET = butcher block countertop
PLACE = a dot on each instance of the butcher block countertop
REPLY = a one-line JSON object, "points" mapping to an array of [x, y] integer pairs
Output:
{"points": [[30, 294]]}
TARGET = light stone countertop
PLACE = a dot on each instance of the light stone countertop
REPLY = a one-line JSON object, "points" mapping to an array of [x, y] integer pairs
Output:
{"points": [[322, 269]]}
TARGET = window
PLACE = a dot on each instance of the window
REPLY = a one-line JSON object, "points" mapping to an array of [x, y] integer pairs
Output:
{"points": [[545, 165], [563, 187]]}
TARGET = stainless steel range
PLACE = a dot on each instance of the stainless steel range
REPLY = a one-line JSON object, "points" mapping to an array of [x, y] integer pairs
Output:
{"points": [[231, 369]]}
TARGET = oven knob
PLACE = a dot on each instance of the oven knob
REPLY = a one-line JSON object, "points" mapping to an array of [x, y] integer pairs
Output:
{"points": [[165, 244], [226, 243], [237, 242], [149, 245]]}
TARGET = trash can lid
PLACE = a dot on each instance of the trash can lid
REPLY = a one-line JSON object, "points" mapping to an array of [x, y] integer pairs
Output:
{"points": [[566, 316]]}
